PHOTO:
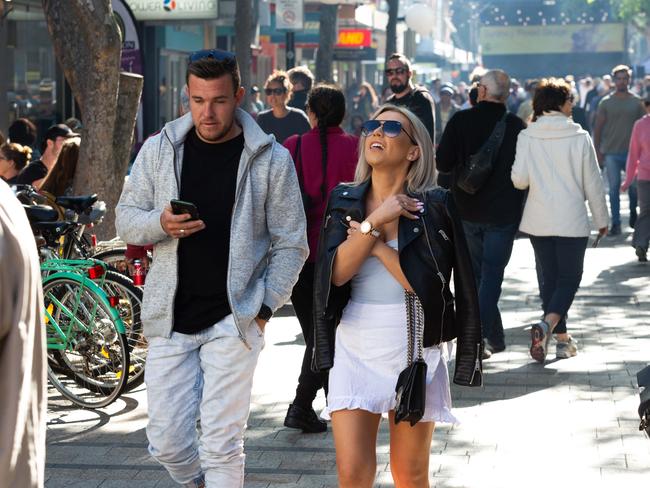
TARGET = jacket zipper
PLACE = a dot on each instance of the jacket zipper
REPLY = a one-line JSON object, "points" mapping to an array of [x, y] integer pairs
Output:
{"points": [[477, 364], [444, 236], [440, 275], [178, 194], [232, 218]]}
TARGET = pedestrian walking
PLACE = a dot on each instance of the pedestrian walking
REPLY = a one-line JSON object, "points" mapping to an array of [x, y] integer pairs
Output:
{"points": [[217, 276], [389, 234], [324, 157], [417, 99], [617, 113], [301, 79], [366, 101], [281, 120], [556, 163], [22, 351], [491, 215], [445, 110], [638, 165]]}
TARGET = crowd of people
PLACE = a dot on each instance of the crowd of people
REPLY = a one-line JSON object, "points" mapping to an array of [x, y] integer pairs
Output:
{"points": [[362, 230]]}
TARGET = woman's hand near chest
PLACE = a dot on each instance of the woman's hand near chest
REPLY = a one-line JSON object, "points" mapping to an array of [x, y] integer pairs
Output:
{"points": [[383, 216]]}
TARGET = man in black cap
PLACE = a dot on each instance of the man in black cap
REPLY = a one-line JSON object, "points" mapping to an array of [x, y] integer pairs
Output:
{"points": [[36, 171]]}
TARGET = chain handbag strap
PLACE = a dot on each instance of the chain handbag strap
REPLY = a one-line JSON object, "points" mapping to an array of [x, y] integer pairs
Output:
{"points": [[414, 326]]}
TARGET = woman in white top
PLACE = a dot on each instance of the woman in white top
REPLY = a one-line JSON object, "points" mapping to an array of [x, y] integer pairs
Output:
{"points": [[556, 162]]}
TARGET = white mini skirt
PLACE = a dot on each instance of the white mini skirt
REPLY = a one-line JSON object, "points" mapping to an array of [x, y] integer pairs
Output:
{"points": [[370, 353]]}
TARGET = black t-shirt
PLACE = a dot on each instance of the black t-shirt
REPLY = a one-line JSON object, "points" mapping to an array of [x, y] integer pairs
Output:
{"points": [[295, 122], [34, 171], [208, 180], [420, 102]]}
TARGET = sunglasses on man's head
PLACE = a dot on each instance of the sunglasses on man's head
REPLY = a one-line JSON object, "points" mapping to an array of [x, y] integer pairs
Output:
{"points": [[390, 128], [395, 71], [275, 91], [216, 54]]}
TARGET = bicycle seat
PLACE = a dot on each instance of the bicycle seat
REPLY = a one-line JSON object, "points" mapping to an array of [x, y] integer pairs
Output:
{"points": [[40, 213], [77, 204], [54, 228]]}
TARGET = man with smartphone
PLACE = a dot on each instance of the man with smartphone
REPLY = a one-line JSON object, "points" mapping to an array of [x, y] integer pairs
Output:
{"points": [[220, 201]]}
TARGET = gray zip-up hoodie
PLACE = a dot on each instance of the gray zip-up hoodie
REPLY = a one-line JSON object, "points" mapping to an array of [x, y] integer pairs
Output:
{"points": [[268, 244]]}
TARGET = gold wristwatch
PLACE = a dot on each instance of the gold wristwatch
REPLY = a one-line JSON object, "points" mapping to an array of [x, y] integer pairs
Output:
{"points": [[367, 228]]}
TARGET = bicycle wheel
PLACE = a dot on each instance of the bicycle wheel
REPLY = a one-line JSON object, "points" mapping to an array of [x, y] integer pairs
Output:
{"points": [[129, 305], [88, 358], [115, 258]]}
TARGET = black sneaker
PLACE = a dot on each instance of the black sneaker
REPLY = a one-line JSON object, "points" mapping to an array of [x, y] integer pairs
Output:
{"points": [[305, 420], [641, 253], [615, 230]]}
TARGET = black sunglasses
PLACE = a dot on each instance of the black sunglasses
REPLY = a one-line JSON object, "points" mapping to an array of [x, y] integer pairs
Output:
{"points": [[216, 54], [395, 71], [390, 128], [275, 91]]}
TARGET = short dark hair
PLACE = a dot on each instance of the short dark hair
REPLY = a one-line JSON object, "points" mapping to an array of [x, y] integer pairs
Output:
{"points": [[401, 58], [303, 75], [22, 131], [209, 69], [550, 95]]}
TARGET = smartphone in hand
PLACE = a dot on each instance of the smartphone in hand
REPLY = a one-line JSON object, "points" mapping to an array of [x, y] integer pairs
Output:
{"points": [[180, 207]]}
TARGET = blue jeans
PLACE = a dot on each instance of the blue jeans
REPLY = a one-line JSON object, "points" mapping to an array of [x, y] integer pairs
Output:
{"points": [[490, 247], [207, 375], [560, 262], [614, 166]]}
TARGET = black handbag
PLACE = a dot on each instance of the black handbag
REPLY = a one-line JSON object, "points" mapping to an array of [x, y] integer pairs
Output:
{"points": [[473, 173], [410, 391]]}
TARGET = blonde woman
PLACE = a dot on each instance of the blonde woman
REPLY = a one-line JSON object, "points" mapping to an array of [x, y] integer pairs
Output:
{"points": [[391, 230]]}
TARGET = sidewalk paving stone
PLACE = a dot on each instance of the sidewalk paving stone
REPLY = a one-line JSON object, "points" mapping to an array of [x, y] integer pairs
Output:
{"points": [[566, 422]]}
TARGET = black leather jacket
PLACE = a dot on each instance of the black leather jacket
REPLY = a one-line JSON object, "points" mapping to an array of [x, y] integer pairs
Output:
{"points": [[429, 249]]}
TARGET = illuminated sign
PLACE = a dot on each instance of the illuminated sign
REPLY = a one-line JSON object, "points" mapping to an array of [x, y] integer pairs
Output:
{"points": [[354, 38]]}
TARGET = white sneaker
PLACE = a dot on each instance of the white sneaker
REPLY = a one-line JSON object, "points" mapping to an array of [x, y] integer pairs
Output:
{"points": [[566, 350]]}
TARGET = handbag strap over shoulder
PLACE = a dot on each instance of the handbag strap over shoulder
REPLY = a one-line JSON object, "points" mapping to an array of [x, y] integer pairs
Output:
{"points": [[414, 326], [496, 137]]}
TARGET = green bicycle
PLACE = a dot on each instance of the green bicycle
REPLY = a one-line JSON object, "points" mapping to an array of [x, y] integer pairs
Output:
{"points": [[88, 355]]}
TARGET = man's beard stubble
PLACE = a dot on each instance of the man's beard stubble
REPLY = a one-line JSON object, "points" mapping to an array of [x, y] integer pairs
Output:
{"points": [[398, 88]]}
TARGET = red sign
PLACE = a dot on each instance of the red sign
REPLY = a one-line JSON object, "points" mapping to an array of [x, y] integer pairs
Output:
{"points": [[352, 38]]}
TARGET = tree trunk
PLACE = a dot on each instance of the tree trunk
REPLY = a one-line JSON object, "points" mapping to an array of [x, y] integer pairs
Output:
{"points": [[243, 39], [4, 75], [128, 103], [87, 45], [326, 42], [391, 32]]}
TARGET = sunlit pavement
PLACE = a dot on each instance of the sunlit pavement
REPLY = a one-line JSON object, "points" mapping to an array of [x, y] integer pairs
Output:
{"points": [[570, 422]]}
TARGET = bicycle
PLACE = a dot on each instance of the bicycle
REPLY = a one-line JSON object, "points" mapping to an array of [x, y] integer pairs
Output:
{"points": [[88, 355]]}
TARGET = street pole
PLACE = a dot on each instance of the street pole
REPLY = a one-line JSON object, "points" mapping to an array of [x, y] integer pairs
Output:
{"points": [[290, 50]]}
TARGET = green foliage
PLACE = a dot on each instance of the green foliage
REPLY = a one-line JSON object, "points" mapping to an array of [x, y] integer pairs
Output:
{"points": [[628, 9]]}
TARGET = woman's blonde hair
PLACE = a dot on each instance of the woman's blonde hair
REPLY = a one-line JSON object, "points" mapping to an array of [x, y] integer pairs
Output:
{"points": [[422, 173], [19, 154]]}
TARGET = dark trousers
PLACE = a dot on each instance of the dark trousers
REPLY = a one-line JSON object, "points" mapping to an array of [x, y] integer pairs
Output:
{"points": [[490, 247], [302, 298], [560, 262]]}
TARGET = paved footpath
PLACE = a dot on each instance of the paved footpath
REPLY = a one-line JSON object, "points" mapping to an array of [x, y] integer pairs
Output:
{"points": [[568, 423]]}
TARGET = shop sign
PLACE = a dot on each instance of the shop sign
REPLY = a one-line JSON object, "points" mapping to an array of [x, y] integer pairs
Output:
{"points": [[289, 14], [354, 38], [174, 9]]}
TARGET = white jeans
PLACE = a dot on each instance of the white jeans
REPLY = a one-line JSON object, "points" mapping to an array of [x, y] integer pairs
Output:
{"points": [[210, 373]]}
